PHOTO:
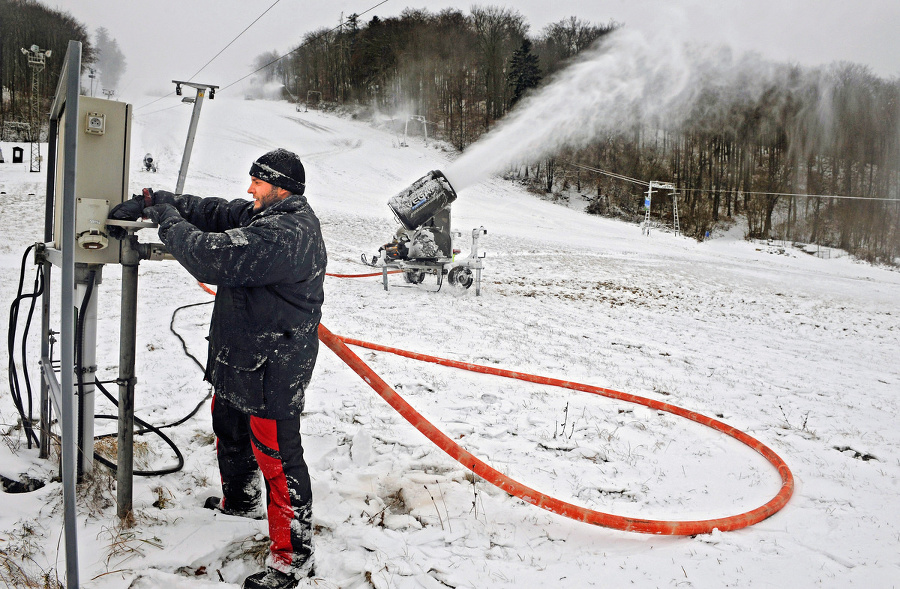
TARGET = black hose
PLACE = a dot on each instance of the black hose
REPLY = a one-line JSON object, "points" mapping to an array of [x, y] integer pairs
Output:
{"points": [[16, 391], [147, 428], [181, 339], [38, 290], [14, 388]]}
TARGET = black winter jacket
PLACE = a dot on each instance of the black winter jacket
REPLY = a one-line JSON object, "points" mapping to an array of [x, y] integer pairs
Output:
{"points": [[269, 268]]}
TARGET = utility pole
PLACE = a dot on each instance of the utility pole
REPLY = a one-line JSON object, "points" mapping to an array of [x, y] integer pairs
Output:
{"points": [[37, 59], [658, 185], [192, 129]]}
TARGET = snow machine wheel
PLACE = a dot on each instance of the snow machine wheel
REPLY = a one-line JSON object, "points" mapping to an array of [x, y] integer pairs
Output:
{"points": [[460, 276], [414, 276]]}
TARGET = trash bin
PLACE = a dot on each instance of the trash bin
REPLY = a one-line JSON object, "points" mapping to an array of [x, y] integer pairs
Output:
{"points": [[18, 155]]}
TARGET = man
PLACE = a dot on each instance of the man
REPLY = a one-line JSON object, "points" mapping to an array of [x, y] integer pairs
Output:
{"points": [[267, 259]]}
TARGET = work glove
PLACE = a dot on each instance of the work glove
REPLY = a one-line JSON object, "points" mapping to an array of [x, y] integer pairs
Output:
{"points": [[163, 215], [130, 210], [161, 197]]}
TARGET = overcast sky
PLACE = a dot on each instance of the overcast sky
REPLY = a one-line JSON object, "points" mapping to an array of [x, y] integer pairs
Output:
{"points": [[172, 39]]}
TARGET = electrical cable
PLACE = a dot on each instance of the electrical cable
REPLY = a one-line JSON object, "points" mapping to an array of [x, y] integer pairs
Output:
{"points": [[302, 45], [758, 193], [14, 387], [38, 291], [157, 428], [299, 47], [147, 428], [611, 174], [750, 192], [338, 344], [233, 40]]}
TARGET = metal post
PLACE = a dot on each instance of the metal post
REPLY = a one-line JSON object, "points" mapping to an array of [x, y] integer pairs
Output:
{"points": [[189, 145], [192, 130], [53, 136], [88, 364], [127, 338], [647, 199], [67, 292], [46, 407]]}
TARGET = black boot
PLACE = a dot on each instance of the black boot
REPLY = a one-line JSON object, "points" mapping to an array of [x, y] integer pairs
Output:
{"points": [[270, 579], [215, 503]]}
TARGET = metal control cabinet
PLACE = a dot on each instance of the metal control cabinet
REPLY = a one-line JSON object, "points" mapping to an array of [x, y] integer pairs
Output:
{"points": [[101, 176]]}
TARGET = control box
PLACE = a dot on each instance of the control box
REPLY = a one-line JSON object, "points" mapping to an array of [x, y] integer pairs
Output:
{"points": [[101, 176]]}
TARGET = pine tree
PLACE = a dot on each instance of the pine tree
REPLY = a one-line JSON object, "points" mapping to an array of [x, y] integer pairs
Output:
{"points": [[524, 71]]}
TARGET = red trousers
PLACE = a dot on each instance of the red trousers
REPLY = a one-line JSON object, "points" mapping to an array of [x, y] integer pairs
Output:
{"points": [[246, 444]]}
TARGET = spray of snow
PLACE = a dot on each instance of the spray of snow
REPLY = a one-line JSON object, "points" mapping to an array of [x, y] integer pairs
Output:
{"points": [[623, 81], [266, 91]]}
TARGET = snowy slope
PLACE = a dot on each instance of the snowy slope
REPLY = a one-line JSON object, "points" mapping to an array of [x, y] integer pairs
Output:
{"points": [[797, 351]]}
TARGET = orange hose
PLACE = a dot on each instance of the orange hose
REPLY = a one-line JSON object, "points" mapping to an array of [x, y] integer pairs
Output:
{"points": [[362, 275], [529, 495], [338, 344], [206, 288]]}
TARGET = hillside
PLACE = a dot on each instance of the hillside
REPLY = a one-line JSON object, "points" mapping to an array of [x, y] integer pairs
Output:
{"points": [[798, 351]]}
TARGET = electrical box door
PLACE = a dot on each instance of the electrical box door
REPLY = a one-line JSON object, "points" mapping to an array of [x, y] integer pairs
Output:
{"points": [[101, 176]]}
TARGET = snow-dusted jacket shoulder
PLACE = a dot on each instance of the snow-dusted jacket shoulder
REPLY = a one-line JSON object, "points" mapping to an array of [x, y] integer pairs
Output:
{"points": [[269, 268]]}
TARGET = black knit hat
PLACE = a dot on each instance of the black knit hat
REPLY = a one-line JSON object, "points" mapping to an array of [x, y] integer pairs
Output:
{"points": [[281, 168]]}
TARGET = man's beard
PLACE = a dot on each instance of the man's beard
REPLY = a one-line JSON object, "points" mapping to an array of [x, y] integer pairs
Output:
{"points": [[267, 200]]}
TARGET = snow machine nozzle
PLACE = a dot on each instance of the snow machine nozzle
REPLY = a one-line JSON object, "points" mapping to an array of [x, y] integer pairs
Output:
{"points": [[425, 197]]}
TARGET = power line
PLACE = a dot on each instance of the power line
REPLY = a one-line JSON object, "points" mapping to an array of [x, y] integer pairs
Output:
{"points": [[610, 174], [758, 193], [316, 38], [751, 192], [301, 46], [233, 40], [160, 110], [216, 55]]}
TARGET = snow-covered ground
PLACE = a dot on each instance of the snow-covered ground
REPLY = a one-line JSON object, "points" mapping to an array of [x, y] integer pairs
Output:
{"points": [[799, 352]]}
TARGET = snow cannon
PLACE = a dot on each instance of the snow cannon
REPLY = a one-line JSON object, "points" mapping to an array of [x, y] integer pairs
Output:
{"points": [[424, 243], [420, 202]]}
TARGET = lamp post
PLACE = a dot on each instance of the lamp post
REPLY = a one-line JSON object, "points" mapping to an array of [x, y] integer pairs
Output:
{"points": [[37, 59]]}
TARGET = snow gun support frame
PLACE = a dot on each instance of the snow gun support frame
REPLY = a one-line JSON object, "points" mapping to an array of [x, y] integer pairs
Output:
{"points": [[424, 242]]}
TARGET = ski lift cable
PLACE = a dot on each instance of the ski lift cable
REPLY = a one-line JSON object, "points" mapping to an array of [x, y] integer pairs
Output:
{"points": [[216, 55], [301, 46], [611, 174], [757, 193], [266, 65], [233, 40], [160, 110], [752, 192]]}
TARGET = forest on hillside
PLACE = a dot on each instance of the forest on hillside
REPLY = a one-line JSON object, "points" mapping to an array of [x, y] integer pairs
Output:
{"points": [[732, 157], [813, 158], [24, 23]]}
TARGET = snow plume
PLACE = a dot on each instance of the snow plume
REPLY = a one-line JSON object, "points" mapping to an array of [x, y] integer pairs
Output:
{"points": [[266, 91], [622, 82]]}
